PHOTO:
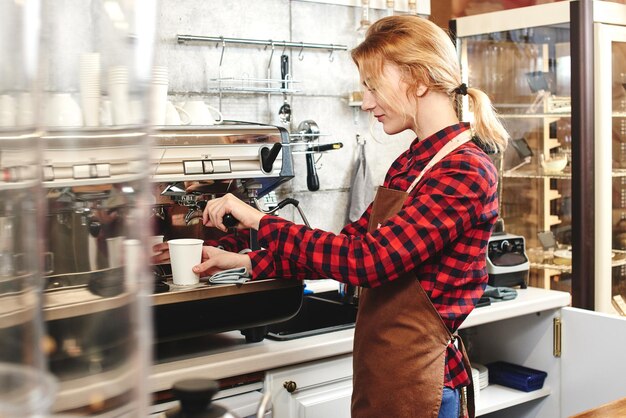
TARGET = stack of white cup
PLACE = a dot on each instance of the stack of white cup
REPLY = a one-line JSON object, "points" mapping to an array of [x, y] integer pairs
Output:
{"points": [[158, 95], [90, 88], [118, 94]]}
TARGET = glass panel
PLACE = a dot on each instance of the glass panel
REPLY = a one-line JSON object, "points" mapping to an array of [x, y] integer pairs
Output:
{"points": [[618, 50], [95, 69], [526, 73]]}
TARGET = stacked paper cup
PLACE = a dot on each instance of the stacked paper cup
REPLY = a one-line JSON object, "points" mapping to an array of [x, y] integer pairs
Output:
{"points": [[118, 94], [89, 73], [158, 95]]}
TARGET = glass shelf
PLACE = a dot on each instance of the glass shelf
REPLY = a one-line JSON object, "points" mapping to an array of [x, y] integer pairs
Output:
{"points": [[535, 175], [618, 259]]}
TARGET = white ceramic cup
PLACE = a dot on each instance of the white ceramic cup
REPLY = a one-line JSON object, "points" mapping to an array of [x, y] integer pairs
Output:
{"points": [[8, 111], [175, 115], [158, 103], [135, 112], [91, 110], [63, 110], [201, 113], [184, 254], [106, 116], [25, 106]]}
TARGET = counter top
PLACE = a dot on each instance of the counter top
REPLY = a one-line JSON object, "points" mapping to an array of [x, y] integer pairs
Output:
{"points": [[227, 354]]}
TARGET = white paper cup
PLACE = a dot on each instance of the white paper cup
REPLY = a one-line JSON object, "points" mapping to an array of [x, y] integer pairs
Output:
{"points": [[8, 113], [184, 254], [115, 249]]}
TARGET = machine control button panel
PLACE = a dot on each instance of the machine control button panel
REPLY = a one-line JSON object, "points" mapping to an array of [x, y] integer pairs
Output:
{"points": [[103, 170], [48, 173], [208, 166], [510, 245], [89, 171], [193, 167], [221, 166]]}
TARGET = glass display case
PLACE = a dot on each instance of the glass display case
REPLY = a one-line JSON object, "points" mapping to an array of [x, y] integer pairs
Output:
{"points": [[563, 175]]}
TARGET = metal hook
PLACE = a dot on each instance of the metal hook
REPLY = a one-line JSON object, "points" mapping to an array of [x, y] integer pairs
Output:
{"points": [[223, 49], [331, 58], [319, 165], [271, 56], [284, 48], [300, 54]]}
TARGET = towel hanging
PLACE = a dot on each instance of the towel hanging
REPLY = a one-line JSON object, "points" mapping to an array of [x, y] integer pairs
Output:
{"points": [[362, 191]]}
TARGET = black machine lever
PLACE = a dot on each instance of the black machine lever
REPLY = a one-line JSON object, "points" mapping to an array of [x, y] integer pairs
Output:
{"points": [[228, 220], [268, 156]]}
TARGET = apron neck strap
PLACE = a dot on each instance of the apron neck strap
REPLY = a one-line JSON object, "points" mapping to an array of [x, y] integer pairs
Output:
{"points": [[450, 146]]}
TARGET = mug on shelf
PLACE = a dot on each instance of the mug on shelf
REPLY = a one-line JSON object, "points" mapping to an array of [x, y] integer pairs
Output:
{"points": [[63, 110], [201, 113], [176, 115]]}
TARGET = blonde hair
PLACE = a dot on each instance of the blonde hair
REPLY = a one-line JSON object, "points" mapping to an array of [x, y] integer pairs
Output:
{"points": [[424, 53]]}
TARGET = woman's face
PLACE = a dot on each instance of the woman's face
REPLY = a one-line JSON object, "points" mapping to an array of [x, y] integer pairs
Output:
{"points": [[394, 118]]}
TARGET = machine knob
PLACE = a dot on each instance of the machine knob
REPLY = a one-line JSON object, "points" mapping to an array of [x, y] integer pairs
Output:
{"points": [[195, 397], [506, 246]]}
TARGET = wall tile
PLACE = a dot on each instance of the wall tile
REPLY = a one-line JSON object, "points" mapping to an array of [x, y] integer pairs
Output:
{"points": [[322, 85]]}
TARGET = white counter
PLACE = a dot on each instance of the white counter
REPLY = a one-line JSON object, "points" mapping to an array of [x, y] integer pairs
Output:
{"points": [[230, 355]]}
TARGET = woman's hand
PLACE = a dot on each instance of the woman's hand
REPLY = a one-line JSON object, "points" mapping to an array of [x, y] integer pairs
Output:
{"points": [[215, 260], [161, 253], [215, 210]]}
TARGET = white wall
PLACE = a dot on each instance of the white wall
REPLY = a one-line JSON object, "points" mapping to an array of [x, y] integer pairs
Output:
{"points": [[323, 85]]}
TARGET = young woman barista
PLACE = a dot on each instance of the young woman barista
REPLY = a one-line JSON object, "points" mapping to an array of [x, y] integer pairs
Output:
{"points": [[419, 249]]}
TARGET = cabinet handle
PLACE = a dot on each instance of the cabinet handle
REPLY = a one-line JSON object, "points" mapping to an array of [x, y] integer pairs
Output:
{"points": [[290, 385], [556, 337]]}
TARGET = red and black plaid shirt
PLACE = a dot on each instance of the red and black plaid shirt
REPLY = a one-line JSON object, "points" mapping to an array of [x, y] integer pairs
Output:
{"points": [[440, 234]]}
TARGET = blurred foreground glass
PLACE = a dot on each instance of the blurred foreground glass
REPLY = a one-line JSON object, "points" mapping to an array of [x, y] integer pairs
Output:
{"points": [[26, 388], [95, 71]]}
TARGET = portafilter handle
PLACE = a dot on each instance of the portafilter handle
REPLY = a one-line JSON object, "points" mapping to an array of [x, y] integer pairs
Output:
{"points": [[228, 220]]}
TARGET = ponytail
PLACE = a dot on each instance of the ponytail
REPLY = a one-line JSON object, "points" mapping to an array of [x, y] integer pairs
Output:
{"points": [[486, 125]]}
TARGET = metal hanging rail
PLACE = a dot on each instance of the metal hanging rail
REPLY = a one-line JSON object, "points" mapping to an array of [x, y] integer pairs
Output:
{"points": [[182, 39]]}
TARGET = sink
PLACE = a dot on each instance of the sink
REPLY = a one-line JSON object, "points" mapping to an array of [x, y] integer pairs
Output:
{"points": [[320, 313]]}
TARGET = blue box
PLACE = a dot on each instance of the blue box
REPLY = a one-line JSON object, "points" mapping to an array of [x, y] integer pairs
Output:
{"points": [[516, 376]]}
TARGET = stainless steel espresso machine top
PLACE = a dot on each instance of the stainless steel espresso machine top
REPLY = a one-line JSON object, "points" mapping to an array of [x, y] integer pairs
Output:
{"points": [[256, 155]]}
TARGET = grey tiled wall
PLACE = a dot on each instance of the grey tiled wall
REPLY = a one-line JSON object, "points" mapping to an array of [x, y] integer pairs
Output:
{"points": [[323, 85]]}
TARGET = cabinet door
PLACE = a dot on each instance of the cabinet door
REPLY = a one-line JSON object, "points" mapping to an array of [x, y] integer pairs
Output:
{"points": [[593, 370], [610, 163], [330, 400], [318, 389]]}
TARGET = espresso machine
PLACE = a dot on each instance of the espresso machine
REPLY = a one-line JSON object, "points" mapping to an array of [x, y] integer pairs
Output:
{"points": [[191, 165]]}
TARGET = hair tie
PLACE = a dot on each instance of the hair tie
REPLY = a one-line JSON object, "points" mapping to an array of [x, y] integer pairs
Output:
{"points": [[462, 89]]}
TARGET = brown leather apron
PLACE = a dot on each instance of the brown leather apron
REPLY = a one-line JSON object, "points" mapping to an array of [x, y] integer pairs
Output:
{"points": [[400, 340]]}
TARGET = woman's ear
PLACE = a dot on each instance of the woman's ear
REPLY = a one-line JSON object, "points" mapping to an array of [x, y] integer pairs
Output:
{"points": [[421, 89]]}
